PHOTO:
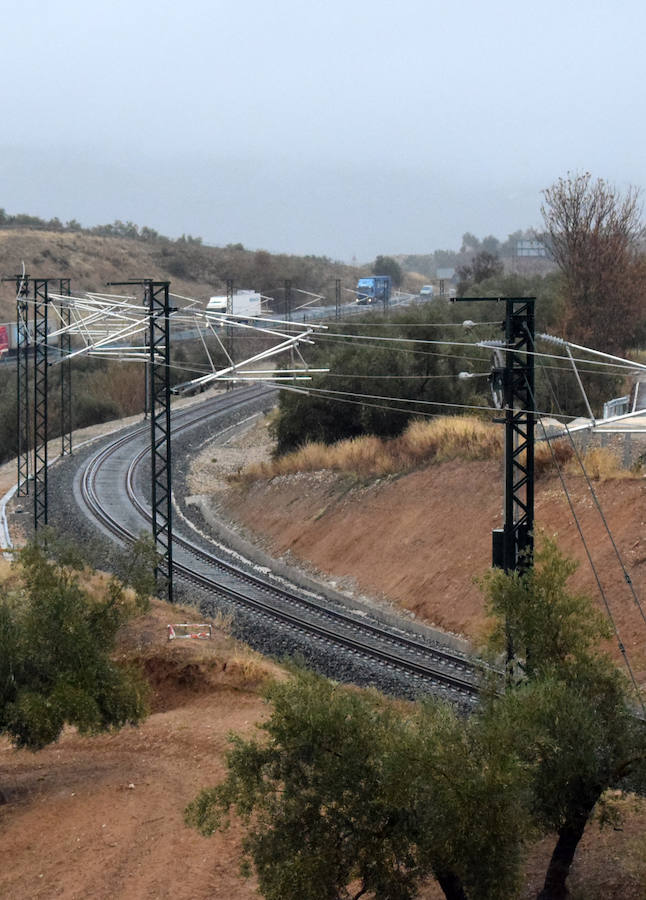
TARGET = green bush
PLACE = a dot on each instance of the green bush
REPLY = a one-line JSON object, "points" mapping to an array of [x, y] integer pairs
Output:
{"points": [[56, 665], [394, 401]]}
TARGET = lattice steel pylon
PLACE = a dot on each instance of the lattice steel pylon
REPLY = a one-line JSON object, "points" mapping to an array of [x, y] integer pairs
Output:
{"points": [[229, 332], [66, 369], [157, 298], [513, 383], [157, 301], [41, 308], [22, 384], [513, 545]]}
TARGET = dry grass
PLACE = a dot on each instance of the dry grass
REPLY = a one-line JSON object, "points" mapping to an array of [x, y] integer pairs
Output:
{"points": [[90, 260], [456, 437], [178, 669], [423, 442], [246, 670], [222, 662], [5, 571], [546, 453], [601, 464]]}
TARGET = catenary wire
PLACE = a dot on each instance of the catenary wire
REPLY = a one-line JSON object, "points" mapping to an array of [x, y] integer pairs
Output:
{"points": [[325, 335], [390, 349], [598, 506], [415, 324], [325, 391], [620, 644], [420, 413]]}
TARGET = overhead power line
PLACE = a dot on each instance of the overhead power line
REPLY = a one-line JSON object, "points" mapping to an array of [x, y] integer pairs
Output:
{"points": [[482, 345], [332, 394], [606, 603], [600, 511]]}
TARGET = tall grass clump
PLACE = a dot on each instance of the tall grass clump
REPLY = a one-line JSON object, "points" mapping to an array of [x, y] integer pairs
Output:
{"points": [[450, 437], [547, 454], [423, 441], [601, 464]]}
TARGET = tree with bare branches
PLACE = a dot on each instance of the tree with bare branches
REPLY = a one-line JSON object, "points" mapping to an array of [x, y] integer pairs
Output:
{"points": [[593, 232]]}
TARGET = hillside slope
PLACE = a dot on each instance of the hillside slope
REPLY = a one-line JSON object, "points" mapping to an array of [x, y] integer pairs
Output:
{"points": [[194, 270], [420, 540], [89, 261]]}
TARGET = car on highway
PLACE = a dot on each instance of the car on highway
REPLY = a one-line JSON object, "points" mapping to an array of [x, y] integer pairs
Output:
{"points": [[426, 291]]}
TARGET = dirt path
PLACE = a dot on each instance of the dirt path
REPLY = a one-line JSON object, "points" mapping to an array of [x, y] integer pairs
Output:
{"points": [[102, 817]]}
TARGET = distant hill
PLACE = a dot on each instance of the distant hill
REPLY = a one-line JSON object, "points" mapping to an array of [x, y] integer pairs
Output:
{"points": [[195, 270]]}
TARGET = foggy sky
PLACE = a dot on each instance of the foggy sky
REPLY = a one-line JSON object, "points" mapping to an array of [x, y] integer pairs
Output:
{"points": [[340, 128]]}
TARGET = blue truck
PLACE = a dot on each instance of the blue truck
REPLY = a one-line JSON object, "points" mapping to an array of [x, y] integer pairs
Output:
{"points": [[374, 289]]}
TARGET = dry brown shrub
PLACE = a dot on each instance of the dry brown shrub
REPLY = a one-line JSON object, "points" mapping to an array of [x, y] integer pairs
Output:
{"points": [[123, 383], [452, 437], [309, 458], [546, 453], [253, 472], [601, 464], [246, 670], [363, 455], [222, 622]]}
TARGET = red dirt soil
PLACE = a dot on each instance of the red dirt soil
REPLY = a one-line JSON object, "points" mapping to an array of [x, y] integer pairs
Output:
{"points": [[102, 817], [421, 539]]}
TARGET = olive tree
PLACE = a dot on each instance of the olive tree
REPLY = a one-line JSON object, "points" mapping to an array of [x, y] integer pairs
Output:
{"points": [[55, 664], [571, 708], [349, 794]]}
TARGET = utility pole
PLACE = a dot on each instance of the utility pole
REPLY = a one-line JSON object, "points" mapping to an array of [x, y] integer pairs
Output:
{"points": [[157, 294], [41, 309], [513, 385], [22, 382], [65, 290], [229, 336], [157, 298], [146, 380], [337, 298], [41, 365], [288, 313], [288, 300]]}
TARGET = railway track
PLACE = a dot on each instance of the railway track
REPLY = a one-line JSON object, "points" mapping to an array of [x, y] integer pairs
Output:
{"points": [[108, 490]]}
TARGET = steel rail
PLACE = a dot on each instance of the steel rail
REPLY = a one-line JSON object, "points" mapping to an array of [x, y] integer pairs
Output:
{"points": [[309, 606], [364, 634]]}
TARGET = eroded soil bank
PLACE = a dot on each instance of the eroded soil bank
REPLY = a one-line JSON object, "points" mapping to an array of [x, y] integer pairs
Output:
{"points": [[422, 540]]}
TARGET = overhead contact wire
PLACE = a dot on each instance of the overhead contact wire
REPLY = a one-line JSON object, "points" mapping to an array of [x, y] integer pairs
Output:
{"points": [[620, 643], [303, 390], [599, 508], [323, 391], [606, 603]]}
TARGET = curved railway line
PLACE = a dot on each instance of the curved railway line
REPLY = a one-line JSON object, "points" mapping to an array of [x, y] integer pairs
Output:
{"points": [[108, 490]]}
